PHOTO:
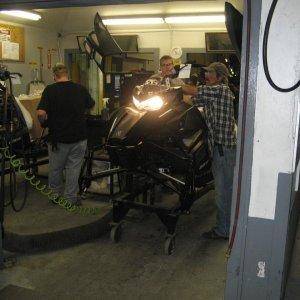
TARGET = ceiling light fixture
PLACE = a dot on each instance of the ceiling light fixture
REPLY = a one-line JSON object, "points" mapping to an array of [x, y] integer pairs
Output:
{"points": [[22, 14], [195, 19], [133, 21]]}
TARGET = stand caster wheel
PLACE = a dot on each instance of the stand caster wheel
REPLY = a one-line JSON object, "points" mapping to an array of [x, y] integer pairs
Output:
{"points": [[169, 245], [8, 262], [116, 233]]}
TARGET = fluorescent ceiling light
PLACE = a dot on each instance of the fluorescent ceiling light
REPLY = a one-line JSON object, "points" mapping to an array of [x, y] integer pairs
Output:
{"points": [[22, 14], [195, 19], [133, 21]]}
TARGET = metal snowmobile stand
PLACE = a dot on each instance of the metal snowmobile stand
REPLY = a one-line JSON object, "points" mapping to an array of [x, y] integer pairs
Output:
{"points": [[168, 215]]}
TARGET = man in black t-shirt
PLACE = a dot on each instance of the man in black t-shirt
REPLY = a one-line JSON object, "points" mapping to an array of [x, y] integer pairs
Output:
{"points": [[62, 109]]}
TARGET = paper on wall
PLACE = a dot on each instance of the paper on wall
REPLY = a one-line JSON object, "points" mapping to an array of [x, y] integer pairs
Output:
{"points": [[4, 35], [10, 50]]}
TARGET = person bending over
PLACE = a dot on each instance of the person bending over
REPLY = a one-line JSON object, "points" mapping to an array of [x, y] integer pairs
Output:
{"points": [[62, 109]]}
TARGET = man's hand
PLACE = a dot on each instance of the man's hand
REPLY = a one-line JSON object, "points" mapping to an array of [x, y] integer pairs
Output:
{"points": [[189, 89], [188, 99], [42, 116]]}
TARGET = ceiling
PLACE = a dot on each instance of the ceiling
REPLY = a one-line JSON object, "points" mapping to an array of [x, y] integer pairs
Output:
{"points": [[80, 19]]}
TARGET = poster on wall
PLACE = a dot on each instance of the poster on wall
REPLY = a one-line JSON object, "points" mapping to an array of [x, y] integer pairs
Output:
{"points": [[10, 50], [4, 35]]}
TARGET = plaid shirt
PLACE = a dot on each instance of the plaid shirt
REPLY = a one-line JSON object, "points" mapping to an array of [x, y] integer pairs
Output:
{"points": [[219, 114]]}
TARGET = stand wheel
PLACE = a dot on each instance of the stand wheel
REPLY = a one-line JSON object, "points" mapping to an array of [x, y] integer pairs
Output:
{"points": [[116, 233], [8, 262], [169, 245]]}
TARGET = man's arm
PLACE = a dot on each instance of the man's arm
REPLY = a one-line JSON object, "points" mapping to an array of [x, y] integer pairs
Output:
{"points": [[188, 99], [42, 109], [42, 117], [89, 102], [189, 89]]}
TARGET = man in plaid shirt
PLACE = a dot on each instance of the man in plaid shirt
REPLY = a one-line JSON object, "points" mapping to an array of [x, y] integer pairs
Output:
{"points": [[218, 102]]}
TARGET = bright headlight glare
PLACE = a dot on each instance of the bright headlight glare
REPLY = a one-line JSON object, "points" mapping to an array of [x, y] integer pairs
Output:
{"points": [[152, 104]]}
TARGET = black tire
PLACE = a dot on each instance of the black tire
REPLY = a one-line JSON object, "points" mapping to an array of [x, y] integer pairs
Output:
{"points": [[169, 245], [82, 182], [12, 187], [16, 189], [116, 233]]}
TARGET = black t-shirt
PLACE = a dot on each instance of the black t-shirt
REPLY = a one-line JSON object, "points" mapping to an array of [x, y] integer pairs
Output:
{"points": [[65, 104]]}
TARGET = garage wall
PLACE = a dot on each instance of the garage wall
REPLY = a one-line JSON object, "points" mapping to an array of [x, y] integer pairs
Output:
{"points": [[238, 4], [34, 37], [166, 40]]}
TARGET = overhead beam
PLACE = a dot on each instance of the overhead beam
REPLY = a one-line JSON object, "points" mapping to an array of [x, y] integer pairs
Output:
{"points": [[32, 4]]}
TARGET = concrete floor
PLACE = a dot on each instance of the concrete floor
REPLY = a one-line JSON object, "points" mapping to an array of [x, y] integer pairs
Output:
{"points": [[136, 268]]}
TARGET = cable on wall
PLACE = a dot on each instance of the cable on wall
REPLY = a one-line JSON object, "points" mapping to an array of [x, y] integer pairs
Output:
{"points": [[265, 54]]}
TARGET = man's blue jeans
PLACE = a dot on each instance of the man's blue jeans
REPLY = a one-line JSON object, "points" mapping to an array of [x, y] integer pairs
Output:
{"points": [[68, 157], [223, 170]]}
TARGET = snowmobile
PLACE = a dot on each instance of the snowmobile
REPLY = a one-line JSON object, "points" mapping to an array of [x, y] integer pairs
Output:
{"points": [[159, 140]]}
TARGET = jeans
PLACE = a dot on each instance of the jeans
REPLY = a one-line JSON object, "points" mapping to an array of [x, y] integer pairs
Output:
{"points": [[223, 170], [68, 157]]}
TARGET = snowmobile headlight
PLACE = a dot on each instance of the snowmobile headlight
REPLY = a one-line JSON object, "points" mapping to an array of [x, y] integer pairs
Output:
{"points": [[152, 104]]}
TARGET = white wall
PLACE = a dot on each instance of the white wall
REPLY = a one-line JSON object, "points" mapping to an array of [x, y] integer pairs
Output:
{"points": [[34, 37], [276, 114], [166, 40]]}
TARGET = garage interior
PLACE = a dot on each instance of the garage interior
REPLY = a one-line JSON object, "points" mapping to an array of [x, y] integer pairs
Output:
{"points": [[111, 248]]}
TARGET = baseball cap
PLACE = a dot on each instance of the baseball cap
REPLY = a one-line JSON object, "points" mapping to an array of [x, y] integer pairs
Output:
{"points": [[219, 68]]}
